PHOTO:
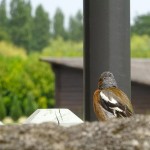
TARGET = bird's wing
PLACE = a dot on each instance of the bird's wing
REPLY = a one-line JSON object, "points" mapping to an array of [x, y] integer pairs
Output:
{"points": [[111, 103]]}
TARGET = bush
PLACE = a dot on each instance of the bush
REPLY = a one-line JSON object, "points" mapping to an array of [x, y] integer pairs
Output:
{"points": [[9, 50], [29, 105], [27, 83], [140, 46], [61, 48], [2, 109], [15, 110], [20, 76]]}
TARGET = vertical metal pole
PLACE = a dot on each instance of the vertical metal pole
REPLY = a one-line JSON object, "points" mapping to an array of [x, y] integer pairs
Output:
{"points": [[106, 45]]}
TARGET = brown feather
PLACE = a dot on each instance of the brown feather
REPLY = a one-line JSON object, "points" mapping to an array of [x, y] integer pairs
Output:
{"points": [[121, 97], [97, 108]]}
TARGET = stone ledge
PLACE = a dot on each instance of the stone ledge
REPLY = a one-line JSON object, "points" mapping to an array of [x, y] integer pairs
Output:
{"points": [[128, 134]]}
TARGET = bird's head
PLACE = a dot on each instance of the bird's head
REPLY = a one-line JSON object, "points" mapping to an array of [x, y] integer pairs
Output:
{"points": [[107, 80]]}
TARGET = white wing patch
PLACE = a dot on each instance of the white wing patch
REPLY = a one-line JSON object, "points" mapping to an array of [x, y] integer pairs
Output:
{"points": [[110, 105], [109, 114], [104, 97], [117, 109]]}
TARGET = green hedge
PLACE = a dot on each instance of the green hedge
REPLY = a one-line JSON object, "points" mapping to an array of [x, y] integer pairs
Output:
{"points": [[27, 83], [140, 46]]}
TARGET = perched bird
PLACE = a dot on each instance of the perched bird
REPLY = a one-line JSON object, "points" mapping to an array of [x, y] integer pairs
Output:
{"points": [[109, 101]]}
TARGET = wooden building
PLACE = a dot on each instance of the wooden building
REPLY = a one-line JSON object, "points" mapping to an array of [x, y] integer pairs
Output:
{"points": [[69, 84], [140, 85]]}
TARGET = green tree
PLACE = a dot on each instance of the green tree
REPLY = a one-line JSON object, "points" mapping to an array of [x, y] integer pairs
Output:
{"points": [[15, 111], [75, 31], [29, 104], [41, 29], [21, 23], [3, 16], [3, 21], [141, 25], [58, 24], [2, 109]]}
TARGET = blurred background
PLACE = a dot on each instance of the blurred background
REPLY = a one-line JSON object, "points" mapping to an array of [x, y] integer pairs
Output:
{"points": [[31, 29]]}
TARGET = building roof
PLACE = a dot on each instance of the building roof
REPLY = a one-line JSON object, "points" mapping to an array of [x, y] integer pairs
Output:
{"points": [[75, 62], [140, 68], [140, 71]]}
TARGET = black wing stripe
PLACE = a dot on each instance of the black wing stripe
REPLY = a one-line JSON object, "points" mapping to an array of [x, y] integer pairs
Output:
{"points": [[117, 109], [106, 105]]}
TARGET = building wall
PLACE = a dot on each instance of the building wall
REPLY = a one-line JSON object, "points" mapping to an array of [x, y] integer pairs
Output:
{"points": [[140, 97], [69, 89]]}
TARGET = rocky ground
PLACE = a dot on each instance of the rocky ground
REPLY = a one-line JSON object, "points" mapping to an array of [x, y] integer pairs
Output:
{"points": [[117, 134]]}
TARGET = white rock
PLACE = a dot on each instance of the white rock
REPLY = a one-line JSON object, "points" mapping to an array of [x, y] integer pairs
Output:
{"points": [[62, 117]]}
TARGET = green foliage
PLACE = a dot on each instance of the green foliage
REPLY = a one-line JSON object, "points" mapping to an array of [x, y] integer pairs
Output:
{"points": [[21, 23], [41, 27], [29, 104], [2, 109], [9, 50], [141, 25], [33, 32], [58, 24], [3, 22], [15, 111], [75, 32], [4, 35], [42, 102], [62, 48], [3, 16], [24, 80], [27, 83], [41, 79], [140, 46]]}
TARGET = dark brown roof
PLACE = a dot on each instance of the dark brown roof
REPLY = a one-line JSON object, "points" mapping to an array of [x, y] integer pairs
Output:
{"points": [[140, 71], [140, 68], [65, 61]]}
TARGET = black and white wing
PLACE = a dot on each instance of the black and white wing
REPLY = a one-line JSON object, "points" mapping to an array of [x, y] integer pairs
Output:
{"points": [[112, 105]]}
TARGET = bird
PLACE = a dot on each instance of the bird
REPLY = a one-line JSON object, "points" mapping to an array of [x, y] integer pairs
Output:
{"points": [[109, 101]]}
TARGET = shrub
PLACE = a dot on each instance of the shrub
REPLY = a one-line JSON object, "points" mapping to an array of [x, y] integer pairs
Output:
{"points": [[2, 109], [27, 83], [15, 110], [22, 75], [140, 46], [61, 48], [29, 104], [9, 50]]}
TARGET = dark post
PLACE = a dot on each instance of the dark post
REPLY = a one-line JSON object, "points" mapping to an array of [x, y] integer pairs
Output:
{"points": [[106, 45]]}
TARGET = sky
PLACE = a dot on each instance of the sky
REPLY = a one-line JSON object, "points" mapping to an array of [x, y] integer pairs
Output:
{"points": [[70, 7], [138, 7]]}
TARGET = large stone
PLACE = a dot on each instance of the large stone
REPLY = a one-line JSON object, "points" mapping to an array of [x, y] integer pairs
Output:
{"points": [[116, 134]]}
